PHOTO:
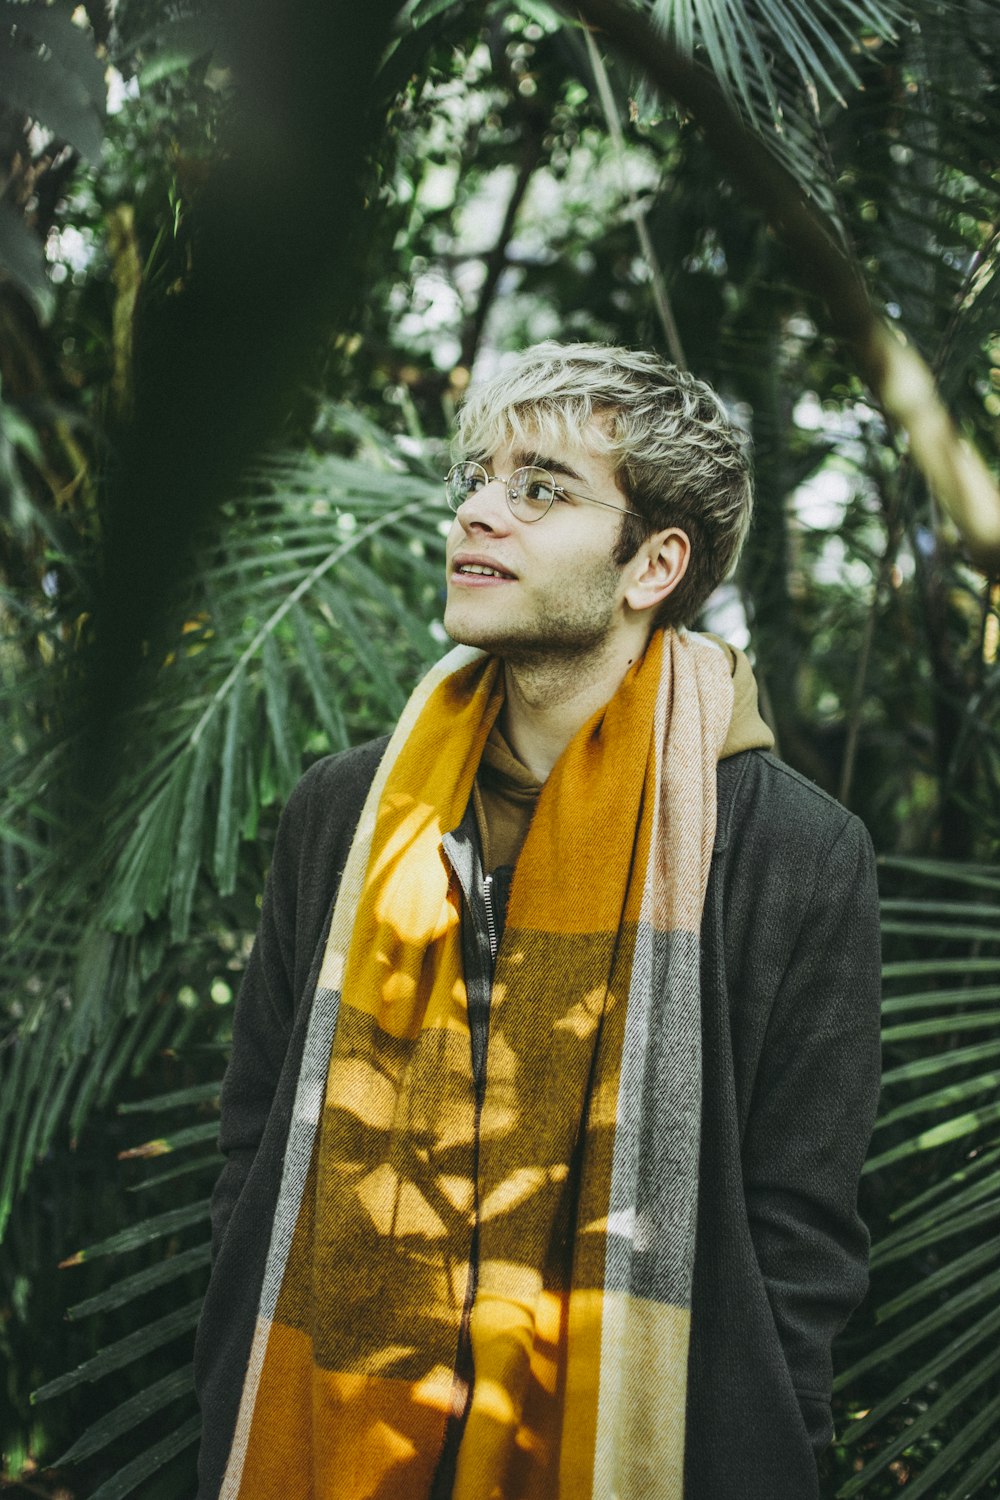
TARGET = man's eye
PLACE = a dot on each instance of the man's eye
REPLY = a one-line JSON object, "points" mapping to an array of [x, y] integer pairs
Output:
{"points": [[540, 491]]}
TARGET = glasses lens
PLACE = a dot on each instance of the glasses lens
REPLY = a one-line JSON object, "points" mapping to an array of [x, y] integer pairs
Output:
{"points": [[462, 481], [531, 492]]}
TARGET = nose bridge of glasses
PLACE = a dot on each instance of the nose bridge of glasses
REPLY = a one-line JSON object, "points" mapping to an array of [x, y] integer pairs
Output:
{"points": [[497, 490], [476, 493], [497, 479]]}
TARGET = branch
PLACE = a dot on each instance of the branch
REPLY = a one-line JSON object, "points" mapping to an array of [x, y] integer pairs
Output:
{"points": [[496, 259], [536, 122], [896, 374], [861, 670], [660, 295]]}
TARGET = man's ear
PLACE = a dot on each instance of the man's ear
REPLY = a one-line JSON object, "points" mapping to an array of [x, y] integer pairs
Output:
{"points": [[657, 568]]}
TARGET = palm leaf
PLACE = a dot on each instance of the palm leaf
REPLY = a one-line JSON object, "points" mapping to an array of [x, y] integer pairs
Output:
{"points": [[130, 1413], [128, 1479], [942, 1257], [157, 1351], [125, 1290], [303, 630], [767, 62], [306, 627], [63, 87], [51, 73]]}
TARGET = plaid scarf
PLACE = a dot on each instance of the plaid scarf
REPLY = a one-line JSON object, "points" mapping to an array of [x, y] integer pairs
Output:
{"points": [[549, 1220]]}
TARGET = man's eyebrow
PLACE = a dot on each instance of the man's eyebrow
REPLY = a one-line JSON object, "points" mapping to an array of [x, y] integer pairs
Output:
{"points": [[524, 460]]}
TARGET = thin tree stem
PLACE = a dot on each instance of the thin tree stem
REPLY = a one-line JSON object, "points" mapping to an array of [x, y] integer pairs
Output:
{"points": [[496, 260], [860, 680], [661, 297]]}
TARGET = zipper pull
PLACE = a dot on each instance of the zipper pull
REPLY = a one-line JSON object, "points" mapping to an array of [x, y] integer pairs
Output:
{"points": [[491, 926]]}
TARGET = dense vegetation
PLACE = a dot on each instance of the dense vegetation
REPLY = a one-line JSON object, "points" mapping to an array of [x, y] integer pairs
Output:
{"points": [[244, 279]]}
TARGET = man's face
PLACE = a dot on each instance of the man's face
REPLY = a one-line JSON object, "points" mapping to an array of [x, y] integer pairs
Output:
{"points": [[559, 594]]}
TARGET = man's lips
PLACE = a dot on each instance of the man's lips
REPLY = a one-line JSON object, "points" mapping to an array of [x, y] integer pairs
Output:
{"points": [[465, 569]]}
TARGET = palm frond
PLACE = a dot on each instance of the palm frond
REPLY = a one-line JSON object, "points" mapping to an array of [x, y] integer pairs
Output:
{"points": [[896, 172], [941, 1258], [127, 1480], [159, 1418], [302, 631], [125, 1351], [814, 39], [146, 1403]]}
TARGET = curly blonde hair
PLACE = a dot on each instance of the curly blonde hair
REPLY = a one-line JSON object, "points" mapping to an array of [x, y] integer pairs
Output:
{"points": [[677, 455]]}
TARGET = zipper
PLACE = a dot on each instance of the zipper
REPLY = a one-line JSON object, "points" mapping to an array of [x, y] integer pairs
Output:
{"points": [[444, 1473], [444, 1476], [491, 926]]}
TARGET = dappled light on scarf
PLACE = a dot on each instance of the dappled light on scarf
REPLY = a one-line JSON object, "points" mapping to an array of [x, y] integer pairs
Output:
{"points": [[397, 1208], [517, 1189], [414, 910], [403, 896], [504, 1323], [584, 1016]]}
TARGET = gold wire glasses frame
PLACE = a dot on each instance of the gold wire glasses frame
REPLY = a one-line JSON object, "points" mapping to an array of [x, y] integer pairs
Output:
{"points": [[530, 491]]}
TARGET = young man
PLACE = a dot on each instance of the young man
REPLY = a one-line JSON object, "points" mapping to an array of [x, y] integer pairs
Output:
{"points": [[543, 1149]]}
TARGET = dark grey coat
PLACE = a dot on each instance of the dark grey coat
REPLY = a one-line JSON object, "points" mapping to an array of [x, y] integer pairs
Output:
{"points": [[790, 1004]]}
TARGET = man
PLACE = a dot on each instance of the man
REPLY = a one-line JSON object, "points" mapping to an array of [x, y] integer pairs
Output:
{"points": [[543, 1149]]}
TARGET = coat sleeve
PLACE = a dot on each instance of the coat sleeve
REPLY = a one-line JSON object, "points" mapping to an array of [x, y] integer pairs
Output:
{"points": [[313, 839], [263, 1017], [811, 1119]]}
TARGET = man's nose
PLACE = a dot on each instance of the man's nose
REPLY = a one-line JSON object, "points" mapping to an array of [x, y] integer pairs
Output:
{"points": [[486, 507]]}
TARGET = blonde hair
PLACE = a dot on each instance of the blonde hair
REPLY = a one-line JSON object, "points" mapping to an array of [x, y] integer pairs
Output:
{"points": [[677, 455]]}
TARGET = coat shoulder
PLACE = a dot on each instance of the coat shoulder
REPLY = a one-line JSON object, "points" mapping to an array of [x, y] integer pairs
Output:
{"points": [[326, 801], [317, 826], [345, 773], [759, 791], [799, 788]]}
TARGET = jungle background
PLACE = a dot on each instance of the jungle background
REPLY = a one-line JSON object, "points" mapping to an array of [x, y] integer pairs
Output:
{"points": [[249, 259]]}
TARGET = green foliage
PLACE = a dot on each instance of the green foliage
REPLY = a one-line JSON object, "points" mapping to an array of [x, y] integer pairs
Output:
{"points": [[816, 39], [928, 1384], [501, 212], [305, 619], [147, 1416]]}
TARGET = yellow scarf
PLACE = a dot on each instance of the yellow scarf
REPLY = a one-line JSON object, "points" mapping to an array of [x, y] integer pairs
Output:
{"points": [[570, 1193]]}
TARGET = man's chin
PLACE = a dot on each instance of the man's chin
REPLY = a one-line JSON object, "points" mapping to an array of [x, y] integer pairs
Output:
{"points": [[525, 646], [494, 642], [466, 632], [464, 635]]}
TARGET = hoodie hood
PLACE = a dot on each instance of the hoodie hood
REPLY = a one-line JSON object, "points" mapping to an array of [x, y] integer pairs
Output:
{"points": [[747, 730]]}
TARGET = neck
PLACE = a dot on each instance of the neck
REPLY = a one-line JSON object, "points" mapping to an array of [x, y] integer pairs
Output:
{"points": [[548, 699]]}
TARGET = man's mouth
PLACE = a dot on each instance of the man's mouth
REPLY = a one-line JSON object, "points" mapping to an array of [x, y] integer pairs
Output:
{"points": [[473, 569]]}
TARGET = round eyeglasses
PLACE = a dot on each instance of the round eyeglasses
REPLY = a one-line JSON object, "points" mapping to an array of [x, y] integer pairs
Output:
{"points": [[530, 491]]}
